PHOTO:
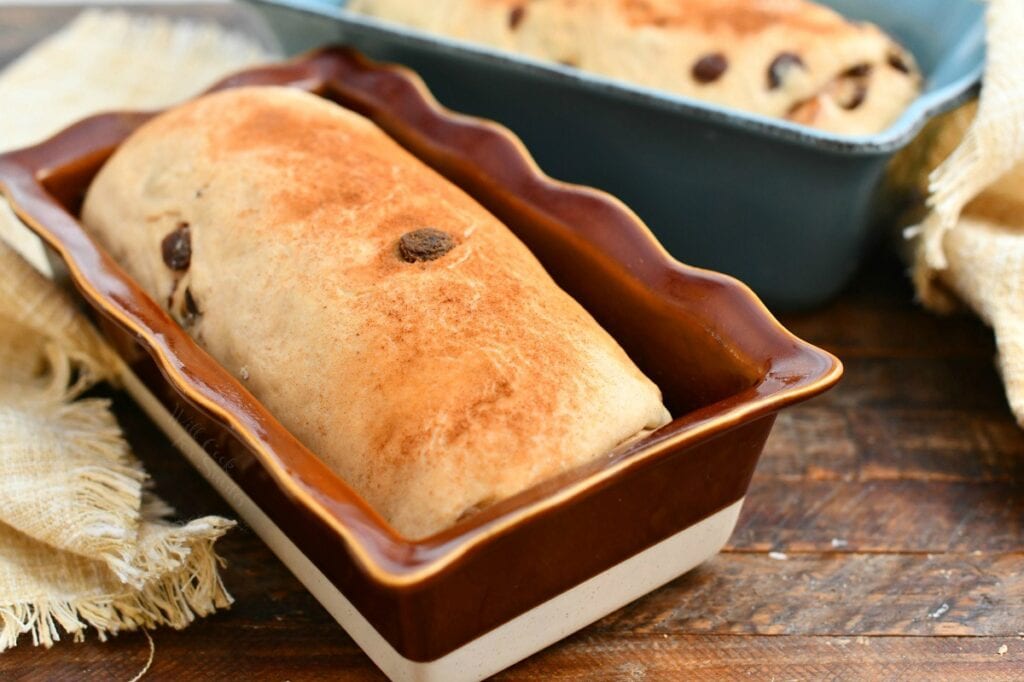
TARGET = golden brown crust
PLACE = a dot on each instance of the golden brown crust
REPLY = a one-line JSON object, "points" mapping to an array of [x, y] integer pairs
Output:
{"points": [[433, 387], [722, 51], [739, 16]]}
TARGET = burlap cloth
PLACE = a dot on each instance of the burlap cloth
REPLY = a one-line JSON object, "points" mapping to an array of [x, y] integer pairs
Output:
{"points": [[970, 247], [83, 543]]}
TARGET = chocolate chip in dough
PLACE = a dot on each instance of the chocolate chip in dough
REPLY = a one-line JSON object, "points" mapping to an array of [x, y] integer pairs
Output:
{"points": [[858, 71], [515, 16], [191, 308], [710, 67], [176, 248], [424, 244], [860, 93], [781, 65], [852, 86], [896, 61]]}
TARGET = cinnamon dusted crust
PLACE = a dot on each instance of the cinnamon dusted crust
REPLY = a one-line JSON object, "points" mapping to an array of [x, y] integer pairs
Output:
{"points": [[746, 16], [788, 59], [391, 323]]}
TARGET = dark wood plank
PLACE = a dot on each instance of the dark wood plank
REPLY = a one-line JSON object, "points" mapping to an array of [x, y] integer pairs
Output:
{"points": [[584, 656], [811, 441], [835, 594], [882, 515], [202, 652], [822, 442], [938, 444], [697, 657], [949, 383]]}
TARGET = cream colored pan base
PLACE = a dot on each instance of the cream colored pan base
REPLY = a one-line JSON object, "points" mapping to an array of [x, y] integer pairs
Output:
{"points": [[506, 644]]}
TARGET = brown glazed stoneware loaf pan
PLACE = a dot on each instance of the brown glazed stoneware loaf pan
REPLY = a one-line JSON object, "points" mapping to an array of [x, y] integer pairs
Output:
{"points": [[526, 572]]}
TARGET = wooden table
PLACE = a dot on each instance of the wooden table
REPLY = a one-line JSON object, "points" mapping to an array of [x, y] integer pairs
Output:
{"points": [[882, 538]]}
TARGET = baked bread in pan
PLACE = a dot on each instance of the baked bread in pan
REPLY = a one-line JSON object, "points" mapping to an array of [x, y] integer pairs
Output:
{"points": [[789, 59], [394, 325]]}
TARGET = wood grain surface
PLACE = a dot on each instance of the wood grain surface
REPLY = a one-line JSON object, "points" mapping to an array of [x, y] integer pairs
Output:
{"points": [[883, 538]]}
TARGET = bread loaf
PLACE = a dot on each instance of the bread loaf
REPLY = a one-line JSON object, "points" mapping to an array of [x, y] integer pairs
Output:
{"points": [[395, 326], [788, 59]]}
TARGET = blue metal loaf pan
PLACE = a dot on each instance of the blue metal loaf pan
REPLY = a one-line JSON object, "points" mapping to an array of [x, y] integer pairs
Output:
{"points": [[789, 210]]}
